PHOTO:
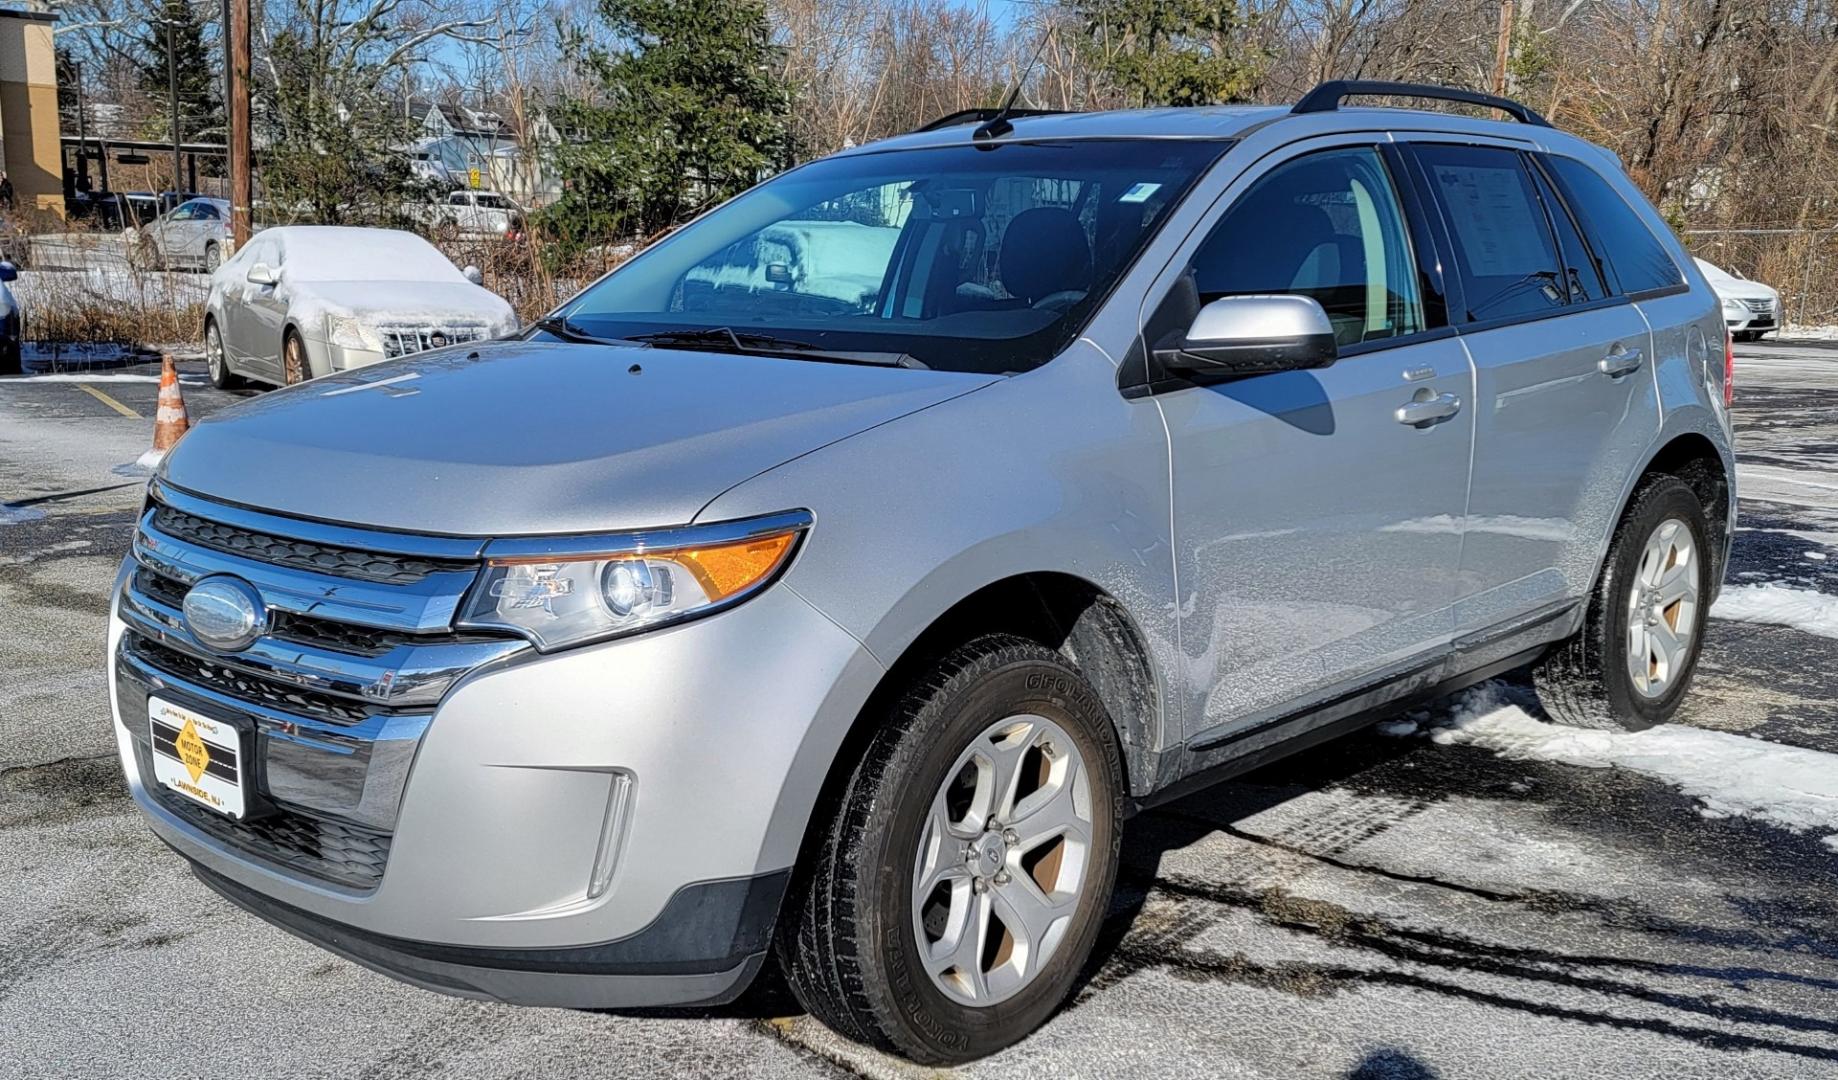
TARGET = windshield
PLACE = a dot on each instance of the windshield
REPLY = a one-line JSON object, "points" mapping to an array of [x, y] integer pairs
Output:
{"points": [[985, 258]]}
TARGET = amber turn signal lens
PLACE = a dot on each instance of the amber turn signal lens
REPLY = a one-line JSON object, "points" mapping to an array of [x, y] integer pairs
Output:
{"points": [[727, 569]]}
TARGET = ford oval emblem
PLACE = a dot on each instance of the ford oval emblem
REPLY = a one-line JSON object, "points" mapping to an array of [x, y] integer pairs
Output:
{"points": [[224, 613]]}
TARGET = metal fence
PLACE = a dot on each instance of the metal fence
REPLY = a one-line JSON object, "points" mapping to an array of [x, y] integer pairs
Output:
{"points": [[1800, 262]]}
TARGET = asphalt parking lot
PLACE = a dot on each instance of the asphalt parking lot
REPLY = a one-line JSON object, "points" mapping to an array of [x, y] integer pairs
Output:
{"points": [[1461, 894]]}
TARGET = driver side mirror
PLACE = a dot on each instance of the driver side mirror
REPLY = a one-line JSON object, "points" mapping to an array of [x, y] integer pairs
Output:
{"points": [[8, 272], [474, 275], [263, 274], [1253, 335]]}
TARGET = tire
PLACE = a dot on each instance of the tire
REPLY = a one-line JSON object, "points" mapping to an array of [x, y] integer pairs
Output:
{"points": [[849, 939], [1590, 681], [213, 258], [295, 366], [217, 361], [12, 362]]}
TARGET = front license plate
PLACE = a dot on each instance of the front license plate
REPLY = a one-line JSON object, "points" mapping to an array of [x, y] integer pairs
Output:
{"points": [[197, 757]]}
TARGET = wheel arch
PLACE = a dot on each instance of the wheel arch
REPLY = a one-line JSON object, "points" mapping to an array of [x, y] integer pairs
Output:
{"points": [[1698, 460], [1065, 613]]}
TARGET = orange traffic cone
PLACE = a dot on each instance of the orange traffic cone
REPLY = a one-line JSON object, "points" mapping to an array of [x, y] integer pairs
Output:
{"points": [[170, 423]]}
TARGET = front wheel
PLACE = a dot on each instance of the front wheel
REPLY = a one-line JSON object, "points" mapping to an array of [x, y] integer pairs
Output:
{"points": [[962, 882], [1632, 661], [295, 367]]}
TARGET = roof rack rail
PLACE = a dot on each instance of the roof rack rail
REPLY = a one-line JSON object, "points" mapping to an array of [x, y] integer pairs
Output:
{"points": [[981, 116], [1327, 97]]}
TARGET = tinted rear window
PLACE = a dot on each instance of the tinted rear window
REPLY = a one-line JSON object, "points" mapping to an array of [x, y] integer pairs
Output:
{"points": [[1504, 250], [1634, 257]]}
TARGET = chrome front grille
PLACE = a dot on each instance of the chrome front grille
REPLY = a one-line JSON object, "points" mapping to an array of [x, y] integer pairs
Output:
{"points": [[1762, 306], [331, 700], [403, 340]]}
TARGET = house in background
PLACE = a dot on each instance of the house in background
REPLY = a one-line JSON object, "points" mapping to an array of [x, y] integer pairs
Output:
{"points": [[31, 141], [463, 147]]}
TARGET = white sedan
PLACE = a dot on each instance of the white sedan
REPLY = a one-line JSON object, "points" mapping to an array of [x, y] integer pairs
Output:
{"points": [[1750, 309], [194, 233], [302, 301]]}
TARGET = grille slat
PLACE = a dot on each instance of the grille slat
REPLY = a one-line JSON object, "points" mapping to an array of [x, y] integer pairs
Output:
{"points": [[380, 567], [404, 340], [239, 685], [330, 850]]}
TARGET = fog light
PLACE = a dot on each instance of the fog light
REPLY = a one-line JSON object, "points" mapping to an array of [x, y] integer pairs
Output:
{"points": [[612, 835]]}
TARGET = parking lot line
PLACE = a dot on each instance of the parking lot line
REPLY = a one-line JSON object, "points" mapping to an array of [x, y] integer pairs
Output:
{"points": [[109, 401]]}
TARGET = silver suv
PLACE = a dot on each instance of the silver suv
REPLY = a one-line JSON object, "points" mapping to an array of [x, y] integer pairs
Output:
{"points": [[827, 584]]}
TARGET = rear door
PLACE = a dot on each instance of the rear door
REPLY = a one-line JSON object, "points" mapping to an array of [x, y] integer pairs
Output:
{"points": [[1317, 528], [1563, 386]]}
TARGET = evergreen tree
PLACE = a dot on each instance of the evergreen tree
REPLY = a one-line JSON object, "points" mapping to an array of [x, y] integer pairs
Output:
{"points": [[688, 111], [201, 117], [1168, 52]]}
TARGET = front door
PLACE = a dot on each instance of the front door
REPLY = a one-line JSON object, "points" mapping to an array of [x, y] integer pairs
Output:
{"points": [[1318, 514]]}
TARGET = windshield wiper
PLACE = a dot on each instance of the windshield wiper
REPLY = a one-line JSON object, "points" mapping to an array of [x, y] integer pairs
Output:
{"points": [[559, 326], [725, 338]]}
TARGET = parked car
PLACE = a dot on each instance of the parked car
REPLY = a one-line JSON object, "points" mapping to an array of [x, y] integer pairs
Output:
{"points": [[777, 620], [195, 233], [11, 321], [481, 213], [303, 301], [1750, 309]]}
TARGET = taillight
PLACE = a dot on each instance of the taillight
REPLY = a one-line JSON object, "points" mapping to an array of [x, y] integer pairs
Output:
{"points": [[1729, 369]]}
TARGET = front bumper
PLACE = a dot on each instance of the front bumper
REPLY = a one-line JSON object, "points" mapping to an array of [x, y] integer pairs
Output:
{"points": [[718, 731]]}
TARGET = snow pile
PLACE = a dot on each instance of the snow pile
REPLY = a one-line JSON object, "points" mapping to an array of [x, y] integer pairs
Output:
{"points": [[1781, 605], [1731, 775]]}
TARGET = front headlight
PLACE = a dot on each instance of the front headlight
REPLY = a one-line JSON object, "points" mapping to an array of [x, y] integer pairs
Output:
{"points": [[567, 591], [349, 333], [1734, 306]]}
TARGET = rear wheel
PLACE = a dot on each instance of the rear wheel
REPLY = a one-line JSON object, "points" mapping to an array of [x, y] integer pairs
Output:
{"points": [[215, 359], [1631, 663], [961, 885], [213, 258], [295, 367]]}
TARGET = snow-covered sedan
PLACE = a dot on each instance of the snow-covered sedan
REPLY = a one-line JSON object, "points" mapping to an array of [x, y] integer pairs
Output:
{"points": [[301, 301], [1750, 309]]}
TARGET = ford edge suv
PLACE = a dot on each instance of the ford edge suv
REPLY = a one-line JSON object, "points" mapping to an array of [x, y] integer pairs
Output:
{"points": [[826, 585]]}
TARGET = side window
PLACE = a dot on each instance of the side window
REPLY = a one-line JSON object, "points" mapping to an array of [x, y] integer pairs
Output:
{"points": [[1635, 259], [1583, 274], [1327, 226], [1504, 251], [183, 213], [459, 198], [207, 212]]}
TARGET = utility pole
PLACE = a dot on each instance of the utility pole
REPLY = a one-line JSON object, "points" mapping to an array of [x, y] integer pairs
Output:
{"points": [[1505, 47], [172, 89], [242, 182]]}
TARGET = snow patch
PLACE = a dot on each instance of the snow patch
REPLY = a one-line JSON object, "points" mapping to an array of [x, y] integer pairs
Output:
{"points": [[19, 515], [1780, 605], [103, 376], [1730, 775]]}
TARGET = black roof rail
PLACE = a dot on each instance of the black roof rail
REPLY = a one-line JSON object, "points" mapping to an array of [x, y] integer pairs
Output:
{"points": [[981, 116], [1327, 97]]}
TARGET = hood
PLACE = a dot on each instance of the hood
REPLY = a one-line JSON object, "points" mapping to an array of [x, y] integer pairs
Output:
{"points": [[406, 301], [532, 438]]}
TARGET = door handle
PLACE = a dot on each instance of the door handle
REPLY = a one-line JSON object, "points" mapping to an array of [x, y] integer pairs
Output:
{"points": [[1620, 362], [1423, 410]]}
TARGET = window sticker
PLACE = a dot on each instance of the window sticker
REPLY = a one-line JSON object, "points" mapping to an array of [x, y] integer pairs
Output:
{"points": [[1138, 193]]}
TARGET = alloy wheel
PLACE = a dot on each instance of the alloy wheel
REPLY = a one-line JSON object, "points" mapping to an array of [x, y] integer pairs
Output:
{"points": [[1003, 861], [213, 353], [1662, 609]]}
